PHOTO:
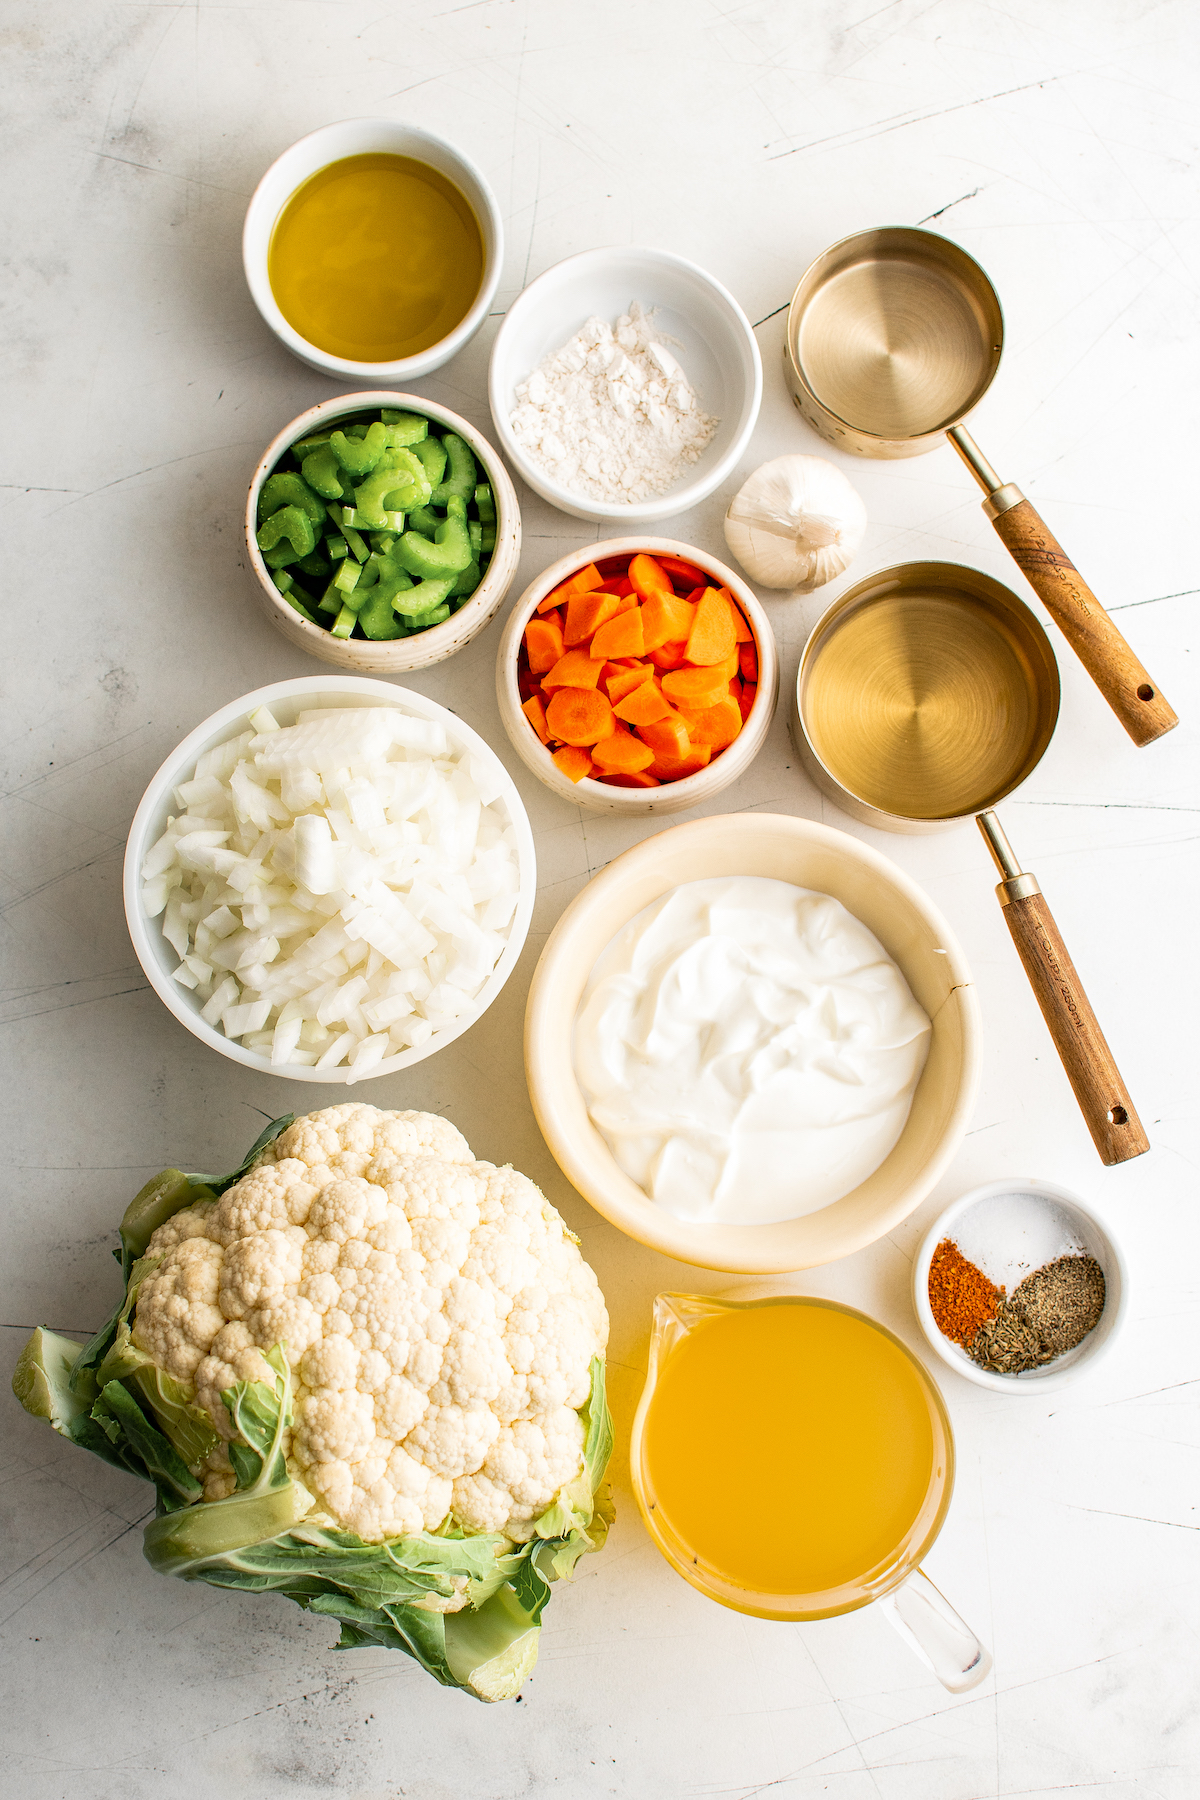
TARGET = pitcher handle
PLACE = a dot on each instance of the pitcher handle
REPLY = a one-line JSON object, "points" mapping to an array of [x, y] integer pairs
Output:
{"points": [[930, 1626]]}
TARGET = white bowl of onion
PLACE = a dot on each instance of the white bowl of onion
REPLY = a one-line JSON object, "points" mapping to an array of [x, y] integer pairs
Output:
{"points": [[355, 943]]}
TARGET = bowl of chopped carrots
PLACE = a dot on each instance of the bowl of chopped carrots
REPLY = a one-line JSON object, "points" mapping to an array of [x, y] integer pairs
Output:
{"points": [[640, 680]]}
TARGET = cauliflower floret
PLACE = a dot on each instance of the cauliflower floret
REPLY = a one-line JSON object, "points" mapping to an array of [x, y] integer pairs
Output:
{"points": [[177, 1312], [437, 1314]]}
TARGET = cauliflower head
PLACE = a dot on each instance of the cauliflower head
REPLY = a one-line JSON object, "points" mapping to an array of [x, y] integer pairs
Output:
{"points": [[437, 1316]]}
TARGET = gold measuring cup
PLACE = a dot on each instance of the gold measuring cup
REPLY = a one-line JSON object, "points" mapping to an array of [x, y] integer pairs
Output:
{"points": [[893, 336], [925, 695], [910, 1601]]}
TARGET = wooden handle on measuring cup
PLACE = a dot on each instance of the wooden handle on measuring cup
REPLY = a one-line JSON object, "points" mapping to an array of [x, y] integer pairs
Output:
{"points": [[1103, 1098], [1088, 629]]}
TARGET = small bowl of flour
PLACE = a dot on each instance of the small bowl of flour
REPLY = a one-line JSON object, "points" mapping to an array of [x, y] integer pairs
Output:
{"points": [[624, 385]]}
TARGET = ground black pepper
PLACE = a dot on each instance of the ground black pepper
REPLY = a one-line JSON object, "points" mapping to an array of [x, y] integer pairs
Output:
{"points": [[1048, 1314]]}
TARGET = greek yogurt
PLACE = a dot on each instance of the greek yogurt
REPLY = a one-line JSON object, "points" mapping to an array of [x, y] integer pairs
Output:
{"points": [[748, 1050]]}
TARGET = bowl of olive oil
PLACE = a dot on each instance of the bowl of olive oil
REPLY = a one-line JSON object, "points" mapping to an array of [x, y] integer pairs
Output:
{"points": [[372, 248]]}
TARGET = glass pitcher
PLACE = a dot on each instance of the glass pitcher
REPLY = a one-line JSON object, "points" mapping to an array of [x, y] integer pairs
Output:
{"points": [[663, 1426]]}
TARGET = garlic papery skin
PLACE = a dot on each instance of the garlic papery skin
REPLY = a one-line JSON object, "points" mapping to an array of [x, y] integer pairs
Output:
{"points": [[796, 523]]}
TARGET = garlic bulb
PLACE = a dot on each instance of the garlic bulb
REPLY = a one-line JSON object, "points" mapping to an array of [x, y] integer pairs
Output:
{"points": [[796, 523]]}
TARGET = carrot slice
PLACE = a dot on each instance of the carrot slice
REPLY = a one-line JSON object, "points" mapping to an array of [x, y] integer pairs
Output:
{"points": [[543, 643], [749, 696], [667, 656], [712, 637], [666, 620], [577, 716], [582, 582], [676, 768], [666, 737], [643, 706], [622, 753], [623, 681], [574, 670], [681, 571], [585, 613], [637, 778], [535, 712], [748, 662], [575, 763], [716, 725], [527, 682], [696, 687], [618, 584], [622, 636], [649, 577], [744, 633]]}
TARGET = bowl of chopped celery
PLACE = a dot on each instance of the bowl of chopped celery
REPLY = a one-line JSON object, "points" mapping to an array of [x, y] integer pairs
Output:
{"points": [[329, 879], [384, 531]]}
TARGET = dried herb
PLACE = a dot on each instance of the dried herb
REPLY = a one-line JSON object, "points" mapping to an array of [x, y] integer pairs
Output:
{"points": [[1049, 1313], [961, 1297]]}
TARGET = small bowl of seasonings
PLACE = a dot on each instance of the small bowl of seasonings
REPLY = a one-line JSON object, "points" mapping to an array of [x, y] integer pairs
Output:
{"points": [[1019, 1285]]}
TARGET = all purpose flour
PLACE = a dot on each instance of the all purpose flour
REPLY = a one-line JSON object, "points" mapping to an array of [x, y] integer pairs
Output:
{"points": [[611, 415]]}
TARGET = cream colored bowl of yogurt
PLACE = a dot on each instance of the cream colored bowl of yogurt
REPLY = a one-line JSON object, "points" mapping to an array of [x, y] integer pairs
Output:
{"points": [[881, 898]]}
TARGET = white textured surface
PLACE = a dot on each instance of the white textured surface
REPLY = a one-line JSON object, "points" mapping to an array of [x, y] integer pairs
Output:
{"points": [[1056, 143]]}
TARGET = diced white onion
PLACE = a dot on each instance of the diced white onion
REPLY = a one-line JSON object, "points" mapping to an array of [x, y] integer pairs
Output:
{"points": [[346, 882]]}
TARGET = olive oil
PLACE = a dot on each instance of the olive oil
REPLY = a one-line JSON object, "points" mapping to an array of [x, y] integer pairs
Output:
{"points": [[788, 1450], [375, 258]]}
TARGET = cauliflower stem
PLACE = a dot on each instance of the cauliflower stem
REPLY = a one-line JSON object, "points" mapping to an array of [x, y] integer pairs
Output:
{"points": [[464, 1593]]}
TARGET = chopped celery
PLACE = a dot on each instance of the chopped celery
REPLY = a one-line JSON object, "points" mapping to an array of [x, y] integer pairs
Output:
{"points": [[293, 600], [432, 454], [461, 479], [401, 520]]}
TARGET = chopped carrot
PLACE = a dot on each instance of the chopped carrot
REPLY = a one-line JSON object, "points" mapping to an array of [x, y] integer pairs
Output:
{"points": [[535, 712], [585, 612], [618, 584], [716, 725], [712, 637], [681, 571], [667, 656], [582, 582], [622, 752], [749, 695], [735, 690], [574, 670], [616, 565], [643, 706], [527, 682], [748, 662], [543, 643], [666, 620], [622, 636], [574, 762], [744, 633], [649, 577], [577, 716], [623, 681], [666, 737], [626, 602], [696, 687], [677, 768], [635, 778]]}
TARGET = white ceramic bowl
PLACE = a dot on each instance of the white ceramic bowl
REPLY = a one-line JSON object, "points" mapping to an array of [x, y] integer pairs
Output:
{"points": [[363, 656], [286, 699], [672, 796], [716, 348], [1008, 1229], [911, 930], [364, 137]]}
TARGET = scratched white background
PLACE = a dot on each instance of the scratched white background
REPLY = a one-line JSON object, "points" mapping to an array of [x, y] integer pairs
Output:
{"points": [[1058, 144]]}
